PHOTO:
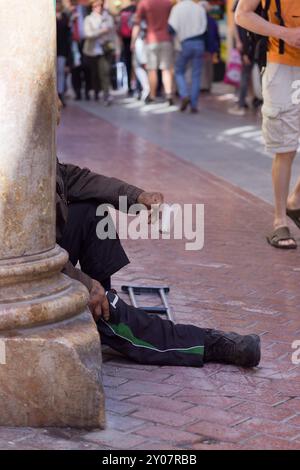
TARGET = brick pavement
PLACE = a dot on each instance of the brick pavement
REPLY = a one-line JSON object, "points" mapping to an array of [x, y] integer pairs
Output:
{"points": [[236, 283]]}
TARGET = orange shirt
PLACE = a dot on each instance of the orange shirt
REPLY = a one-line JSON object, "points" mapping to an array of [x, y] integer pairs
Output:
{"points": [[290, 12]]}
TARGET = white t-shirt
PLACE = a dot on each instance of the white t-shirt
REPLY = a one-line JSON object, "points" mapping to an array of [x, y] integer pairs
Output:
{"points": [[188, 19]]}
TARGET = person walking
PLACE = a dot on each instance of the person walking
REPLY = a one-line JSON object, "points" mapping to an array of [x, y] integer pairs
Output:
{"points": [[140, 64], [125, 32], [80, 70], [281, 111], [188, 21], [160, 52], [243, 44], [97, 27], [63, 48]]}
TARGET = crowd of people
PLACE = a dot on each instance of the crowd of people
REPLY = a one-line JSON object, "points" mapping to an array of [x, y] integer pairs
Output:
{"points": [[146, 48]]}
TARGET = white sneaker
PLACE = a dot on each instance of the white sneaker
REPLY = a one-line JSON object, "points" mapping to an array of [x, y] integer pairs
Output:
{"points": [[237, 111]]}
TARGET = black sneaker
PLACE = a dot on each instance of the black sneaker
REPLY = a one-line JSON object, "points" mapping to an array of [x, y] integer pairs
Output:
{"points": [[231, 348], [184, 103], [149, 100]]}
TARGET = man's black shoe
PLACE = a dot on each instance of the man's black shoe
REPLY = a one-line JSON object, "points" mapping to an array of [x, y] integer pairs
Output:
{"points": [[149, 100], [184, 103], [231, 348]]}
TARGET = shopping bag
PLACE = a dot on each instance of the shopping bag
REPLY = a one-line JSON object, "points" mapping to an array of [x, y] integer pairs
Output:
{"points": [[234, 69]]}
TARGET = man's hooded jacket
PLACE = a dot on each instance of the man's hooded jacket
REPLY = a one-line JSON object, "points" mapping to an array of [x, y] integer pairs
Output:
{"points": [[74, 184]]}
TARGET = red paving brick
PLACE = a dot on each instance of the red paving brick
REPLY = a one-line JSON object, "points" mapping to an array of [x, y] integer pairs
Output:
{"points": [[257, 424], [276, 413], [168, 418], [160, 403], [114, 439], [120, 407], [264, 442], [214, 415], [295, 420], [218, 432], [233, 283], [168, 434]]}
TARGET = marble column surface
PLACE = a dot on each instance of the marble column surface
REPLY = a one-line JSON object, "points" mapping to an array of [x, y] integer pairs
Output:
{"points": [[50, 359]]}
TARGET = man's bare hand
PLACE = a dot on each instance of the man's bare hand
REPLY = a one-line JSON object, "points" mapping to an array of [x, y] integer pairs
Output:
{"points": [[98, 302], [292, 36], [150, 199]]}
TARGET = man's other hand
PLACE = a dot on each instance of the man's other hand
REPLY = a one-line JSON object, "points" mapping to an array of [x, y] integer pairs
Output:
{"points": [[98, 302], [150, 199]]}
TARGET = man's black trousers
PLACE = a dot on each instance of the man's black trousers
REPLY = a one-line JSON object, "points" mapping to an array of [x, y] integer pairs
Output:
{"points": [[99, 259], [144, 338]]}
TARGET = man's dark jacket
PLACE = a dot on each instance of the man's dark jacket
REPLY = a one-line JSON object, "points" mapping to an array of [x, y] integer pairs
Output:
{"points": [[74, 184]]}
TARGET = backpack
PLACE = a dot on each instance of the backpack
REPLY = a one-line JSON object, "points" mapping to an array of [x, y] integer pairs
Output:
{"points": [[126, 24], [257, 45]]}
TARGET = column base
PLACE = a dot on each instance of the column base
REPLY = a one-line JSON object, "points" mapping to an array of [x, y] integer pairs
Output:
{"points": [[50, 375]]}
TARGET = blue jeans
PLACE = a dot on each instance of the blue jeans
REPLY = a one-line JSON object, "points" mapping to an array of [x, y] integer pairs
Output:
{"points": [[192, 51]]}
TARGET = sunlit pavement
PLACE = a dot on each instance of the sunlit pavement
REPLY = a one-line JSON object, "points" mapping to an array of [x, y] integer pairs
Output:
{"points": [[237, 282], [230, 147]]}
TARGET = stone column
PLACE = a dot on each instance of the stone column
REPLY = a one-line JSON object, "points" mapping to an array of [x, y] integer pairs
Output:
{"points": [[50, 351]]}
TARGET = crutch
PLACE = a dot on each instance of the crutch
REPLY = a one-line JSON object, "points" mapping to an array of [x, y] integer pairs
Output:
{"points": [[162, 291]]}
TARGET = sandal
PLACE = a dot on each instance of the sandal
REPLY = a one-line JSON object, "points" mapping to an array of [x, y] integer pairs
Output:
{"points": [[294, 215], [280, 234]]}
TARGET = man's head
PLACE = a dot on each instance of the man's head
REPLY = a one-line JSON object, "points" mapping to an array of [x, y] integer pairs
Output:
{"points": [[96, 6], [73, 5], [208, 7], [59, 7]]}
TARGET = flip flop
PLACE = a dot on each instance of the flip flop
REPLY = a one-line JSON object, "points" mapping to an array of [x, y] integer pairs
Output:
{"points": [[279, 235], [294, 215]]}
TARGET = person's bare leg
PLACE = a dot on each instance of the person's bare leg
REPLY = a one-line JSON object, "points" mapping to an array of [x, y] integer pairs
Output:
{"points": [[153, 83], [294, 198], [167, 78], [281, 175]]}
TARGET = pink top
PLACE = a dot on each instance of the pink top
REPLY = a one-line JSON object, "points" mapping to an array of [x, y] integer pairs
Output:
{"points": [[156, 14]]}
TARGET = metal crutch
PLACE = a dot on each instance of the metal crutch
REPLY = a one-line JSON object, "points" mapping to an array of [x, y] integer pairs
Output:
{"points": [[162, 291]]}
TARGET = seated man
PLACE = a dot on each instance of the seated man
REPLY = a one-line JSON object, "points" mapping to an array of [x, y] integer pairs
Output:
{"points": [[142, 337]]}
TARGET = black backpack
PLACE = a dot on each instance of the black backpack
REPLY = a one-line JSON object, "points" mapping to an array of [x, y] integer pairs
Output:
{"points": [[258, 45]]}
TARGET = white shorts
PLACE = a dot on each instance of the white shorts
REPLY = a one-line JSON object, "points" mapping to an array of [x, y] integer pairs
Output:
{"points": [[160, 56], [281, 108]]}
